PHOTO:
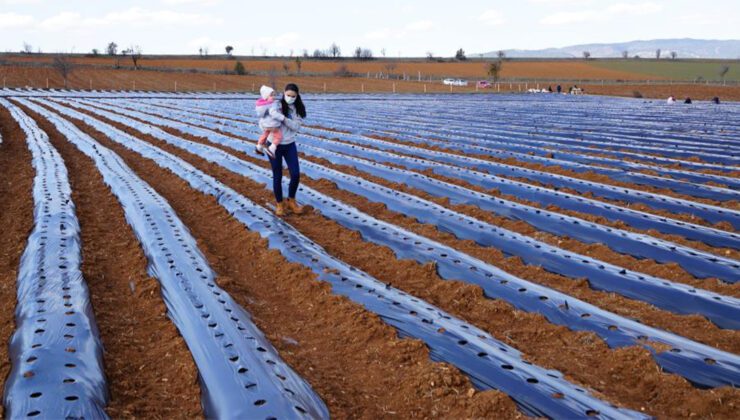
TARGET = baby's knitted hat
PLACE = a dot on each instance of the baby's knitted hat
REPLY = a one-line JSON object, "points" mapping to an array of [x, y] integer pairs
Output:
{"points": [[265, 91]]}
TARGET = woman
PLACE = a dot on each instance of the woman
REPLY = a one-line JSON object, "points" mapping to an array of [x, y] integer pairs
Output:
{"points": [[294, 111]]}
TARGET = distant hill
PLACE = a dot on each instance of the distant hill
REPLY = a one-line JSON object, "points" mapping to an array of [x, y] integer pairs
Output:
{"points": [[685, 48]]}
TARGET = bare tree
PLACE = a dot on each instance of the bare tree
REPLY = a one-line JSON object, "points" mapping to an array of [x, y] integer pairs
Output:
{"points": [[317, 53], [229, 49], [363, 53], [723, 72], [272, 77], [382, 52], [305, 53], [494, 69], [335, 51], [27, 48], [135, 52], [586, 55], [625, 54], [299, 64], [501, 54], [64, 66], [460, 55], [389, 67], [657, 54], [430, 56], [95, 52], [112, 48], [674, 55], [205, 52]]}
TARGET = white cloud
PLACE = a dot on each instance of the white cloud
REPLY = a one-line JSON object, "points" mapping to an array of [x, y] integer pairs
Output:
{"points": [[615, 10], [134, 17], [492, 17], [188, 2], [19, 2], [15, 21], [411, 28], [422, 25]]}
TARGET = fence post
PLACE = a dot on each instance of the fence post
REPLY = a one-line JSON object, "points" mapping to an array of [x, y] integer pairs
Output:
{"points": [[324, 87], [425, 88], [363, 88], [175, 86], [47, 83], [394, 87]]}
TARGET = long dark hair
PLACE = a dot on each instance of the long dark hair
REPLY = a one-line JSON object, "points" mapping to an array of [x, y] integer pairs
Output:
{"points": [[300, 108]]}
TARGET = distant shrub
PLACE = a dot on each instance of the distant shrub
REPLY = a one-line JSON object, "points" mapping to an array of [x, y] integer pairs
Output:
{"points": [[636, 94], [239, 69], [342, 71]]}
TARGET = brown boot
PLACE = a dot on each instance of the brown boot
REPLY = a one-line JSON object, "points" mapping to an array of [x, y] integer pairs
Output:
{"points": [[281, 209], [293, 206]]}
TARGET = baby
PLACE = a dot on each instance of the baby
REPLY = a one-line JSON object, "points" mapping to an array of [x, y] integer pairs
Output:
{"points": [[271, 117]]}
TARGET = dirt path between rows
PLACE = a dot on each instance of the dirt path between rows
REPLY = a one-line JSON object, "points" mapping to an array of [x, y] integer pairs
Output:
{"points": [[681, 216], [670, 271], [150, 371], [627, 376], [353, 360], [16, 219], [559, 170]]}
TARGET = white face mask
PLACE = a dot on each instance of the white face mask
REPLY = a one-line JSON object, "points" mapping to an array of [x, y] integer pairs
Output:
{"points": [[290, 100]]}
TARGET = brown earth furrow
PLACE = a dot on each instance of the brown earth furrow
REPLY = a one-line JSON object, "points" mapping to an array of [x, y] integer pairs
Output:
{"points": [[627, 376], [150, 371], [669, 271], [685, 217], [16, 219], [353, 360]]}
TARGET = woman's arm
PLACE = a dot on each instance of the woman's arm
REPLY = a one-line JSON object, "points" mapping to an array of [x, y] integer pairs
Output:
{"points": [[293, 124], [276, 112]]}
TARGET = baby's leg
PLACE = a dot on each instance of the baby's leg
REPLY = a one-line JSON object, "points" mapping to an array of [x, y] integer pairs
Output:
{"points": [[263, 137], [277, 136]]}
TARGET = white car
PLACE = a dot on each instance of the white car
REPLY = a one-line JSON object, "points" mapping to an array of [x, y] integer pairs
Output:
{"points": [[455, 82]]}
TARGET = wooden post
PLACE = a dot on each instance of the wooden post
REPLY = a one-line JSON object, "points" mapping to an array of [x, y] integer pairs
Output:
{"points": [[394, 87], [420, 76], [90, 84], [175, 85], [47, 83], [450, 88], [425, 88], [324, 87], [363, 88]]}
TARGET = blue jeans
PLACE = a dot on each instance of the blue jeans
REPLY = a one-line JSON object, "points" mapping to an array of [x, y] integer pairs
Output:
{"points": [[289, 152]]}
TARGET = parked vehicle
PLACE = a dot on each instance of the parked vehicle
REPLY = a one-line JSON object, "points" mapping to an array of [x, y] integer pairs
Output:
{"points": [[484, 84], [455, 82]]}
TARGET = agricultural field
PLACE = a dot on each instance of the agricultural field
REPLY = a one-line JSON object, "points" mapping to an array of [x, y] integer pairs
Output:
{"points": [[675, 70], [460, 256]]}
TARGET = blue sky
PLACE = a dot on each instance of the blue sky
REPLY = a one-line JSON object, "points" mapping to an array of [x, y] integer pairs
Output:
{"points": [[409, 28]]}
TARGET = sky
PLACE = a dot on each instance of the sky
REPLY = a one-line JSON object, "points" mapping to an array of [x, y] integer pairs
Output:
{"points": [[401, 28]]}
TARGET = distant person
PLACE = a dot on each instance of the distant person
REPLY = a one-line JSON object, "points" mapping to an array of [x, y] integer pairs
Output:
{"points": [[715, 100], [294, 111], [549, 89], [570, 90], [670, 100], [687, 100], [559, 88], [270, 119]]}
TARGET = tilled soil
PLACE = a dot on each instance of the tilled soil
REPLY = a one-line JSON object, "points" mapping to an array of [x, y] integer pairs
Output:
{"points": [[149, 368], [627, 376], [558, 170], [353, 360], [669, 271], [16, 219], [686, 217]]}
